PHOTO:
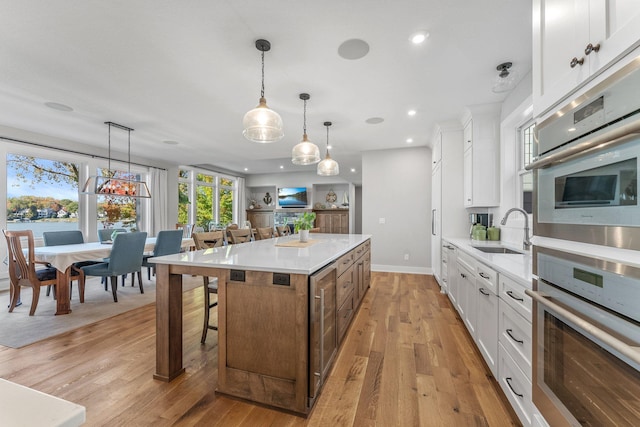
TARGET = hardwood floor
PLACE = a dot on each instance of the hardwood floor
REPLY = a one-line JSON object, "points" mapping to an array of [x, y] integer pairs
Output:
{"points": [[407, 361]]}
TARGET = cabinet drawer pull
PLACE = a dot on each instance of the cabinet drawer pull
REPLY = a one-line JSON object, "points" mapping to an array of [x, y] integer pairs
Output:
{"points": [[484, 276], [444, 261], [514, 297], [464, 276], [512, 337], [483, 292], [509, 379], [591, 48], [575, 61]]}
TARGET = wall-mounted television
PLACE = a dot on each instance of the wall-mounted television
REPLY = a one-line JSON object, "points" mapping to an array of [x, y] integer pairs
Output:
{"points": [[292, 197]]}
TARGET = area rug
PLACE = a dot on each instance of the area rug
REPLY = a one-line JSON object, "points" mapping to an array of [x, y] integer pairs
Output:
{"points": [[18, 329]]}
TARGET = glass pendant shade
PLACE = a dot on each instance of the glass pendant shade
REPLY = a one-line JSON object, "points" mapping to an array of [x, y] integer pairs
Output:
{"points": [[262, 124], [305, 153], [328, 167]]}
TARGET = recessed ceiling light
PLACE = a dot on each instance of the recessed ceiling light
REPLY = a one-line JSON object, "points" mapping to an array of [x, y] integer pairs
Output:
{"points": [[353, 169], [353, 49], [571, 130], [246, 169], [409, 140], [412, 112], [58, 106], [374, 120], [281, 167], [170, 142], [419, 37]]}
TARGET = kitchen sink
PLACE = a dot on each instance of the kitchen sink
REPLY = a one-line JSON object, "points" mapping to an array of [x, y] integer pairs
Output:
{"points": [[497, 250]]}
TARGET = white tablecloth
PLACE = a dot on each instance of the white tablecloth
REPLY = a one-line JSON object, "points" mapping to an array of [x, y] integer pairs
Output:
{"points": [[64, 256]]}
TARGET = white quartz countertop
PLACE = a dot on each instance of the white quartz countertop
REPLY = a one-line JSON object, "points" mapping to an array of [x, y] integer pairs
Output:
{"points": [[515, 266], [265, 255], [24, 406]]}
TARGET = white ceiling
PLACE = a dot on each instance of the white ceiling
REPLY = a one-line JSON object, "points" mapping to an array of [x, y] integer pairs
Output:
{"points": [[187, 71]]}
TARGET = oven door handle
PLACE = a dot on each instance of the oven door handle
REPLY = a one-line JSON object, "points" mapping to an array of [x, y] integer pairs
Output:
{"points": [[625, 349], [616, 137]]}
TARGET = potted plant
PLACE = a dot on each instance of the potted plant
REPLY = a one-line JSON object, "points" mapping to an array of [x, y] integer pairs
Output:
{"points": [[303, 224]]}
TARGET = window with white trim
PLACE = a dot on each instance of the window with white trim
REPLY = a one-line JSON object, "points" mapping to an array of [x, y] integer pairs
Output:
{"points": [[526, 134]]}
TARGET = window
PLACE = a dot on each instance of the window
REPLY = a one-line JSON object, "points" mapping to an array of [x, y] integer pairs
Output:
{"points": [[526, 134], [225, 204], [42, 194], [118, 212], [214, 195], [184, 196], [205, 186]]}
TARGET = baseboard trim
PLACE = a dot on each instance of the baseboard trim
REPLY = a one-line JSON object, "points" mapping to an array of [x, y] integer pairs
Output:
{"points": [[401, 269]]}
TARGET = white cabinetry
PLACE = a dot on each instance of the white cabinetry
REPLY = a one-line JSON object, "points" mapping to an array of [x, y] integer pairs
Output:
{"points": [[467, 292], [515, 347], [574, 40], [487, 315], [448, 216], [450, 258], [481, 156]]}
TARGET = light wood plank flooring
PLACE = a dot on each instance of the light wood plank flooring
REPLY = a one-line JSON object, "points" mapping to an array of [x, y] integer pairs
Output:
{"points": [[407, 361]]}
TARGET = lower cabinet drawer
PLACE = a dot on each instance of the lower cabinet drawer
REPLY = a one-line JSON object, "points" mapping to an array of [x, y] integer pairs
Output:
{"points": [[345, 313], [345, 285], [516, 337], [516, 386], [344, 262]]}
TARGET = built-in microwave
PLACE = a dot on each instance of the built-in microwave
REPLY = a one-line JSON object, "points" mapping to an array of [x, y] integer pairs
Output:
{"points": [[586, 166]]}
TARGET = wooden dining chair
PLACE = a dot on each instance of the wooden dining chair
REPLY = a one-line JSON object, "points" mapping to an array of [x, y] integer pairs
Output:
{"points": [[283, 230], [265, 233], [126, 257], [206, 240], [314, 230], [241, 235], [22, 270], [227, 231]]}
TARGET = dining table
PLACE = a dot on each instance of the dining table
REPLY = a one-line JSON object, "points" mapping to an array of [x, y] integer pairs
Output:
{"points": [[62, 257]]}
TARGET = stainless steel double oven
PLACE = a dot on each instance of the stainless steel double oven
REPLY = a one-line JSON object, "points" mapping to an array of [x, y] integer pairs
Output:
{"points": [[586, 325]]}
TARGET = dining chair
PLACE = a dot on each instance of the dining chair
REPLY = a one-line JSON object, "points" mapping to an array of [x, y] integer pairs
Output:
{"points": [[211, 239], [241, 235], [22, 270], [126, 257], [265, 233], [168, 242], [283, 230], [208, 239], [104, 234], [227, 231], [69, 237], [314, 230]]}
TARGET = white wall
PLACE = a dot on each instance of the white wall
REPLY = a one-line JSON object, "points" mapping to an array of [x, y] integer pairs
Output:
{"points": [[397, 187]]}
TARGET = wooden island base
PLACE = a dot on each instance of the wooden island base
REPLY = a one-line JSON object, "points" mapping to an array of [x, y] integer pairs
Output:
{"points": [[278, 332]]}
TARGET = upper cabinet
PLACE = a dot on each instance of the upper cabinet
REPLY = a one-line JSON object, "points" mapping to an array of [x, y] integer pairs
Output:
{"points": [[481, 156], [575, 40]]}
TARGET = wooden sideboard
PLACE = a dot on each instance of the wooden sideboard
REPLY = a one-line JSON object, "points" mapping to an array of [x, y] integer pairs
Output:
{"points": [[260, 217], [335, 221]]}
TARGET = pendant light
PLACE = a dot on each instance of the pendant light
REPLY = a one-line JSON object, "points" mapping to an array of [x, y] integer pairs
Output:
{"points": [[306, 152], [117, 187], [262, 124], [328, 167]]}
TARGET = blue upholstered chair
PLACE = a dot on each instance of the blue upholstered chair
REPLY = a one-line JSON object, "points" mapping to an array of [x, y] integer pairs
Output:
{"points": [[126, 257], [69, 237], [104, 234], [168, 242]]}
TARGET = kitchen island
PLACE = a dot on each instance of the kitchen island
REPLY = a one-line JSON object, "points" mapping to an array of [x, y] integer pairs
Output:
{"points": [[283, 308]]}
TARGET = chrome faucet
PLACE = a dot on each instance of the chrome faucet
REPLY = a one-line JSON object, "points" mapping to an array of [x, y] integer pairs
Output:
{"points": [[526, 243]]}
